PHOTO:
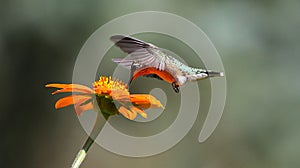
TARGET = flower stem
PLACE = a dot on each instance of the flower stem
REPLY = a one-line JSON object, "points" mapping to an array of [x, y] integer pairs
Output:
{"points": [[79, 159], [88, 143]]}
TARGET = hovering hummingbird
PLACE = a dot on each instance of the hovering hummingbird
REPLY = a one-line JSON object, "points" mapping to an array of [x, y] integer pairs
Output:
{"points": [[149, 60]]}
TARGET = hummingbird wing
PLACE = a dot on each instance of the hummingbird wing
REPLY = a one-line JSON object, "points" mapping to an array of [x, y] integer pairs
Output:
{"points": [[141, 53]]}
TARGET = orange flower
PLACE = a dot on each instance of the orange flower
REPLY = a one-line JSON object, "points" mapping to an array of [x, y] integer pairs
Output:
{"points": [[105, 95]]}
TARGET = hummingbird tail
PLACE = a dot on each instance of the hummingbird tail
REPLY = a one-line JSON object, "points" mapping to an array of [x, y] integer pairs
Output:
{"points": [[215, 74]]}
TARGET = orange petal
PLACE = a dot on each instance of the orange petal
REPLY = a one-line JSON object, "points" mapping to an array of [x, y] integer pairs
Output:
{"points": [[139, 111], [127, 113], [72, 99], [70, 88], [121, 97], [81, 108], [145, 101]]}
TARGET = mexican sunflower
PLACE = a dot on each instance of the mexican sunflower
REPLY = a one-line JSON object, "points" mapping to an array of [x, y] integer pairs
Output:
{"points": [[108, 96]]}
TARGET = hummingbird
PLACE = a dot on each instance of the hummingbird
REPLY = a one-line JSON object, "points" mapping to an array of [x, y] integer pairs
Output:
{"points": [[146, 59]]}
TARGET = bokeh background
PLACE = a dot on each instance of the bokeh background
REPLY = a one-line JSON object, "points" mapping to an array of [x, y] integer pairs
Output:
{"points": [[259, 44]]}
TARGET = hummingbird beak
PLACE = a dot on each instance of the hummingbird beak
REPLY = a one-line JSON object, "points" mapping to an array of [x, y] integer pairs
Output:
{"points": [[214, 74]]}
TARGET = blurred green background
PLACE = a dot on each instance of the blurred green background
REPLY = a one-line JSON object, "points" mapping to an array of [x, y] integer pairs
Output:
{"points": [[259, 44]]}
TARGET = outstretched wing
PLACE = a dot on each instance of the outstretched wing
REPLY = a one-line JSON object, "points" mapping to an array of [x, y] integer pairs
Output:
{"points": [[141, 53]]}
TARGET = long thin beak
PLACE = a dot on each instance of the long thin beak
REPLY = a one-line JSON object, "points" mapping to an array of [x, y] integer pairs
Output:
{"points": [[214, 74]]}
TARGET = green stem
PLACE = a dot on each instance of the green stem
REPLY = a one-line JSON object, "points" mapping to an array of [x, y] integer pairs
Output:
{"points": [[88, 143], [95, 131], [107, 109]]}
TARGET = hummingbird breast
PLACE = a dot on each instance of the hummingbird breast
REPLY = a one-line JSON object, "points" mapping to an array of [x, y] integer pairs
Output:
{"points": [[177, 69]]}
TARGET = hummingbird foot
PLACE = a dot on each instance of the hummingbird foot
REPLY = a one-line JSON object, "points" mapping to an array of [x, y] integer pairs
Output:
{"points": [[175, 87]]}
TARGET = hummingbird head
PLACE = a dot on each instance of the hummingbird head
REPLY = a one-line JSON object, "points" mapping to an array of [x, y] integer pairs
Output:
{"points": [[199, 74]]}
